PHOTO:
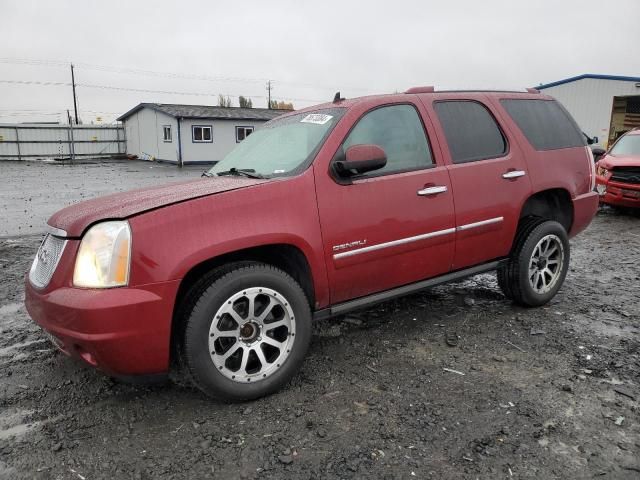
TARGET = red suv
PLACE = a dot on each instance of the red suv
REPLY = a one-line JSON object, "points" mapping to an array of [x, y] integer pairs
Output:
{"points": [[319, 212], [618, 172]]}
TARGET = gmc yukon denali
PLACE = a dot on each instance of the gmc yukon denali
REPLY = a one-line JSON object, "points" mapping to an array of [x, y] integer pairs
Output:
{"points": [[321, 211]]}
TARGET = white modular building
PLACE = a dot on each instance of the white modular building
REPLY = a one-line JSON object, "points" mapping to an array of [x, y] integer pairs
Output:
{"points": [[186, 134], [605, 106]]}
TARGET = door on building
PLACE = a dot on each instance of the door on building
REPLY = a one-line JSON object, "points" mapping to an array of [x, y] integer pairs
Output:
{"points": [[625, 116]]}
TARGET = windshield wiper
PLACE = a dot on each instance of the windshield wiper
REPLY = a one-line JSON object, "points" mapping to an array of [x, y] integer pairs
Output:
{"points": [[245, 172]]}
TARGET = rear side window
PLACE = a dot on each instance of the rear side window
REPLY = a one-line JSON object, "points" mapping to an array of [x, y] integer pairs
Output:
{"points": [[472, 132], [545, 123]]}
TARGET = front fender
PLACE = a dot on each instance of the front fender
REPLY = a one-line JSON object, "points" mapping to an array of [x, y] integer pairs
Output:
{"points": [[170, 241]]}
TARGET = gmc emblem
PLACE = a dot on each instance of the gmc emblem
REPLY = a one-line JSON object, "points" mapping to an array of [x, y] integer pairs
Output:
{"points": [[43, 256]]}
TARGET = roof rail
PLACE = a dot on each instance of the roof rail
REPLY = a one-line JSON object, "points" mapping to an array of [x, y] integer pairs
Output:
{"points": [[429, 89]]}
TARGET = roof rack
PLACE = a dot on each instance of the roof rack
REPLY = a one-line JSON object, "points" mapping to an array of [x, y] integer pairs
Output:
{"points": [[431, 89]]}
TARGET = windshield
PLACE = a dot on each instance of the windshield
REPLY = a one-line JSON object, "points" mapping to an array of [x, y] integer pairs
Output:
{"points": [[627, 145], [283, 146]]}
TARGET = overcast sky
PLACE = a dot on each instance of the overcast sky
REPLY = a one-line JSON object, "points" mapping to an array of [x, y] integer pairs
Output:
{"points": [[309, 49]]}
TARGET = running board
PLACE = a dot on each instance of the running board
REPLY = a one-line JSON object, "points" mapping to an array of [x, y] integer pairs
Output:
{"points": [[342, 308]]}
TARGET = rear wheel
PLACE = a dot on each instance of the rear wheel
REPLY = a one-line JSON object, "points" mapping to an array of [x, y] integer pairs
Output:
{"points": [[246, 333], [538, 263]]}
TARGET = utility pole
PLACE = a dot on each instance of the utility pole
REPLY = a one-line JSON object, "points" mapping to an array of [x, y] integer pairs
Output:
{"points": [[72, 146], [269, 90], [75, 103]]}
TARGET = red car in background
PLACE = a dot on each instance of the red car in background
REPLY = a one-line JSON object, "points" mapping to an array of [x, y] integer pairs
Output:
{"points": [[618, 172]]}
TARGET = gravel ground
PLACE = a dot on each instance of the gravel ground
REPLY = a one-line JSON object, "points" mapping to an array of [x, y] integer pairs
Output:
{"points": [[520, 393]]}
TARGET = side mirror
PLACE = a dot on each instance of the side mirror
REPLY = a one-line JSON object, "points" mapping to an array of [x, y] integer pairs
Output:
{"points": [[361, 159], [598, 152]]}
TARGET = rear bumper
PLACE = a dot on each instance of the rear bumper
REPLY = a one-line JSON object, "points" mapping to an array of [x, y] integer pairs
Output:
{"points": [[122, 331], [619, 194], [584, 209]]}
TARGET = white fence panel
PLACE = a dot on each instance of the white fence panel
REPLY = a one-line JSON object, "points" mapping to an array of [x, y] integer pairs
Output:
{"points": [[24, 141]]}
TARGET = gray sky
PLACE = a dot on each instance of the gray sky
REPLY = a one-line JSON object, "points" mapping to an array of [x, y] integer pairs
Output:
{"points": [[309, 49]]}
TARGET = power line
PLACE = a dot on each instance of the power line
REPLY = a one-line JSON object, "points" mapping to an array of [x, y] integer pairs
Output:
{"points": [[154, 73], [201, 94], [26, 114], [36, 82], [28, 61], [145, 90]]}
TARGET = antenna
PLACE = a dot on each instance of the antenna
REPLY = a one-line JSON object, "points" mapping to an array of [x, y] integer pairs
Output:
{"points": [[337, 98]]}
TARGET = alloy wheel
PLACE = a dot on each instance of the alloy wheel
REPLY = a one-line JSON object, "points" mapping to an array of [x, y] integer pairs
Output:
{"points": [[545, 264], [251, 334]]}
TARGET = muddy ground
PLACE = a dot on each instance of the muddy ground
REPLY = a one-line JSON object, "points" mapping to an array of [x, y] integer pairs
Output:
{"points": [[545, 393]]}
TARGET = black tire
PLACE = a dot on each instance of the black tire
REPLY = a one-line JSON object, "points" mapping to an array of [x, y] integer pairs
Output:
{"points": [[513, 277], [198, 311], [524, 228]]}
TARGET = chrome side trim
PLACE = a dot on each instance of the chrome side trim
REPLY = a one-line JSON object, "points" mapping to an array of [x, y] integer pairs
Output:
{"points": [[469, 226], [56, 232], [394, 243]]}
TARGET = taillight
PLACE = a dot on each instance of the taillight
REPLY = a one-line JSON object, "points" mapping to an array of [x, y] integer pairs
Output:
{"points": [[592, 169]]}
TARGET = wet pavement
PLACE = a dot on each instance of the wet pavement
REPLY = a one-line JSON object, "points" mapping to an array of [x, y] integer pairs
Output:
{"points": [[30, 192], [539, 393]]}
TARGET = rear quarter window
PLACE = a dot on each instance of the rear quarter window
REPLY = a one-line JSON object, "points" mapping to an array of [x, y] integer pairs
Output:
{"points": [[545, 123]]}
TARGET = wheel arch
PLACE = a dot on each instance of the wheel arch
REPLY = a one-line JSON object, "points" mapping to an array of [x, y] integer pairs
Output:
{"points": [[287, 257], [551, 204]]}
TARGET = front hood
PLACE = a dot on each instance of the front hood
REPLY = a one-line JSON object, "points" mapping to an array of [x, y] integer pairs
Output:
{"points": [[76, 218], [611, 161]]}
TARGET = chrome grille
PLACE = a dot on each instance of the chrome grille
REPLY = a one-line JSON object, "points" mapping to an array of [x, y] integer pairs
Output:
{"points": [[46, 260]]}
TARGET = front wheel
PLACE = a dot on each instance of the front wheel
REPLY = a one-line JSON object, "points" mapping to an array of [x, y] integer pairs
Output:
{"points": [[247, 332], [538, 264]]}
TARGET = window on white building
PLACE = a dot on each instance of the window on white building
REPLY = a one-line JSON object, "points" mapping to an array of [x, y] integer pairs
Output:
{"points": [[202, 133], [242, 133], [166, 133]]}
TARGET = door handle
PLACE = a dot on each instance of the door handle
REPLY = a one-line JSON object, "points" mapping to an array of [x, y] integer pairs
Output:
{"points": [[514, 174], [432, 190]]}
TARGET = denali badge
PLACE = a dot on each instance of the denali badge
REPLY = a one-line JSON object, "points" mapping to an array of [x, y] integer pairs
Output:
{"points": [[343, 246]]}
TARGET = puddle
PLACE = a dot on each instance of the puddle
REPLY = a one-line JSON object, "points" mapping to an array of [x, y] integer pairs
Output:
{"points": [[10, 308], [12, 423], [7, 351], [606, 328]]}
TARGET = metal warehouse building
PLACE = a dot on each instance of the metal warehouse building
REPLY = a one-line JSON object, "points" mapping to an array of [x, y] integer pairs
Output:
{"points": [[185, 134], [605, 106]]}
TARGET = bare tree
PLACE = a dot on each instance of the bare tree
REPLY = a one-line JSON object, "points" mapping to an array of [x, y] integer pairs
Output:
{"points": [[245, 102], [224, 102], [276, 105]]}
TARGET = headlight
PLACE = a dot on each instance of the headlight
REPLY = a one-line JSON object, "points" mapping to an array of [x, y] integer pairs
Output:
{"points": [[104, 256]]}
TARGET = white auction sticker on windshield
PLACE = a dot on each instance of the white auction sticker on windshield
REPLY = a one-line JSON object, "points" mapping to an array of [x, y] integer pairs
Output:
{"points": [[317, 118]]}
